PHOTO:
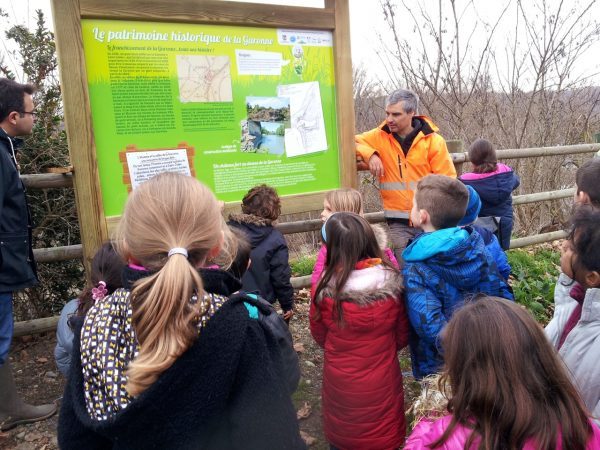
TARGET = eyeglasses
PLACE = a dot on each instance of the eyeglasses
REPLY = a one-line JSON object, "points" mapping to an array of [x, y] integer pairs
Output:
{"points": [[33, 113]]}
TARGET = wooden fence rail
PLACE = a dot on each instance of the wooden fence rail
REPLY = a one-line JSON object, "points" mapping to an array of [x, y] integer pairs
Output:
{"points": [[47, 255], [53, 254], [55, 180]]}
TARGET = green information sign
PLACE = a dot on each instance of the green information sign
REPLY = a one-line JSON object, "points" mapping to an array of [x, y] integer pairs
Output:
{"points": [[232, 106]]}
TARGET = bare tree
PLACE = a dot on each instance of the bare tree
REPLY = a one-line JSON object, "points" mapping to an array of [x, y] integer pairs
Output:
{"points": [[520, 80], [502, 82]]}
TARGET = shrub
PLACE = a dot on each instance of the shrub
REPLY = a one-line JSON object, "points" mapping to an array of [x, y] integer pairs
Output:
{"points": [[303, 265], [53, 210], [534, 275]]}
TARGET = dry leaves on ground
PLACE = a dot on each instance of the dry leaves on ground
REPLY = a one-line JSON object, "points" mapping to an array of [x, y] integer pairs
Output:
{"points": [[299, 347], [307, 438], [304, 411]]}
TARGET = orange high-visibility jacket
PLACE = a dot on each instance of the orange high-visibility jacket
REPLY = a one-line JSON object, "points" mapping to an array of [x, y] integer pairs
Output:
{"points": [[427, 155]]}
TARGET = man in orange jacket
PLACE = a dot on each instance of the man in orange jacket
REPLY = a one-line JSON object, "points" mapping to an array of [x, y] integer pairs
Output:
{"points": [[402, 150]]}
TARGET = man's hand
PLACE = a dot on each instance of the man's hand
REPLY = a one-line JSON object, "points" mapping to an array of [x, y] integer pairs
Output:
{"points": [[287, 315], [375, 166]]}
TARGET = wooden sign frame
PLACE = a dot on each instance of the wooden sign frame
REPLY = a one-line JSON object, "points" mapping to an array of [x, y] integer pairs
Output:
{"points": [[68, 14]]}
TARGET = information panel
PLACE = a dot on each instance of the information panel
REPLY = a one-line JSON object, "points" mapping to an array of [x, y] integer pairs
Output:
{"points": [[232, 106]]}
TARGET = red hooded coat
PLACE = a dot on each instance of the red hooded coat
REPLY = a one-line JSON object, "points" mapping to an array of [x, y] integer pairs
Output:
{"points": [[363, 396]]}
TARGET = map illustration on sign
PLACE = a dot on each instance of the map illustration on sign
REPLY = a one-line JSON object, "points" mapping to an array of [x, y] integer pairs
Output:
{"points": [[204, 78], [307, 134]]}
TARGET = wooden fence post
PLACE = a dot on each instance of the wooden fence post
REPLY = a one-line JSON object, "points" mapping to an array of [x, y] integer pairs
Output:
{"points": [[456, 146]]}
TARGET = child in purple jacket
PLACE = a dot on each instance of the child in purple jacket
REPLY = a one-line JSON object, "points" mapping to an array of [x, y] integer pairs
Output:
{"points": [[506, 387], [494, 182]]}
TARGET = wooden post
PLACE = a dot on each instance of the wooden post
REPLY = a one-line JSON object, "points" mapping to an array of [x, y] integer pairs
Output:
{"points": [[456, 146], [82, 150], [345, 96]]}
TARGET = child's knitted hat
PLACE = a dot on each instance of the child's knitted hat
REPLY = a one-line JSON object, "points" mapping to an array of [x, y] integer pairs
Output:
{"points": [[473, 208]]}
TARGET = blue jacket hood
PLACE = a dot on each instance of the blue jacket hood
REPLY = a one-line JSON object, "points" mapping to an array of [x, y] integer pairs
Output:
{"points": [[428, 244], [454, 254]]}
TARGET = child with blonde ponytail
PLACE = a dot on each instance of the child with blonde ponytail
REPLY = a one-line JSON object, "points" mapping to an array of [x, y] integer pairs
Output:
{"points": [[163, 362]]}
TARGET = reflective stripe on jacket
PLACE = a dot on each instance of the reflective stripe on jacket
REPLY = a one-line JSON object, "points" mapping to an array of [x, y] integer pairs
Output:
{"points": [[427, 155]]}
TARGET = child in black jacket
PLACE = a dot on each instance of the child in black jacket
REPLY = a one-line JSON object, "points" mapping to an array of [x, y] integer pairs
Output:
{"points": [[269, 274]]}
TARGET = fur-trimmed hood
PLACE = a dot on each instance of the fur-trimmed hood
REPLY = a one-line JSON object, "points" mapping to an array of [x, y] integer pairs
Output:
{"points": [[381, 235], [257, 229], [250, 219], [367, 286]]}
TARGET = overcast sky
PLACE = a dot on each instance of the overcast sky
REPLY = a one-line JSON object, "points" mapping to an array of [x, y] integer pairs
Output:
{"points": [[366, 23], [363, 19]]}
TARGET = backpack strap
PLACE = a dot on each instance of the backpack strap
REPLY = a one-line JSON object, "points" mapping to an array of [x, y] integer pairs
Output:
{"points": [[252, 310], [251, 302]]}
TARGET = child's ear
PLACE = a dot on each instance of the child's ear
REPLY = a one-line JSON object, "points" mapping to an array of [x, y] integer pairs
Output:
{"points": [[592, 279], [217, 248], [424, 217], [582, 198], [126, 252]]}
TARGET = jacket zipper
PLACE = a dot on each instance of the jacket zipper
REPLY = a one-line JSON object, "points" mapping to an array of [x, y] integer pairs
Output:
{"points": [[400, 167]]}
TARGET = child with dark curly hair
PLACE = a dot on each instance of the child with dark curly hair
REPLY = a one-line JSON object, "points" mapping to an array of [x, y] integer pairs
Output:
{"points": [[269, 274], [575, 327]]}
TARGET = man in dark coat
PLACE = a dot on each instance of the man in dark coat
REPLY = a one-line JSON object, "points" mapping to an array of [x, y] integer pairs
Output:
{"points": [[17, 267]]}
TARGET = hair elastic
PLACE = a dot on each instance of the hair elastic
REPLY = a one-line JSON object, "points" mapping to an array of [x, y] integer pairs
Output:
{"points": [[178, 251], [98, 293], [323, 232]]}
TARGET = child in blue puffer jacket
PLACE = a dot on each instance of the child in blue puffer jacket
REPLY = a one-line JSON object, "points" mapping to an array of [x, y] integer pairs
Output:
{"points": [[494, 182], [443, 267]]}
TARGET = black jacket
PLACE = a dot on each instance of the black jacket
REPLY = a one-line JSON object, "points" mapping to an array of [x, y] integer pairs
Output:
{"points": [[17, 266], [225, 392], [269, 272]]}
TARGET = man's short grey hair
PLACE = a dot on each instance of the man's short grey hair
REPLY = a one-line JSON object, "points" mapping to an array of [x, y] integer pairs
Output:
{"points": [[410, 99]]}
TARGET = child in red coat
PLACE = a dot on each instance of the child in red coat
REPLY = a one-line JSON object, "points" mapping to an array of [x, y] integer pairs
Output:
{"points": [[359, 319]]}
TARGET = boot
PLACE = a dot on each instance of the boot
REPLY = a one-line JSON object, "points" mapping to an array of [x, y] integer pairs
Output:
{"points": [[13, 411]]}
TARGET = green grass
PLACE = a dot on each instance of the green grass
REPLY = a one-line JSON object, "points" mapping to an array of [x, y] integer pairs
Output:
{"points": [[303, 265], [302, 394], [535, 272]]}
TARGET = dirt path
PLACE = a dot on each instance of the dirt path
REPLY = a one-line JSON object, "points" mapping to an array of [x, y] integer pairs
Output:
{"points": [[40, 382]]}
